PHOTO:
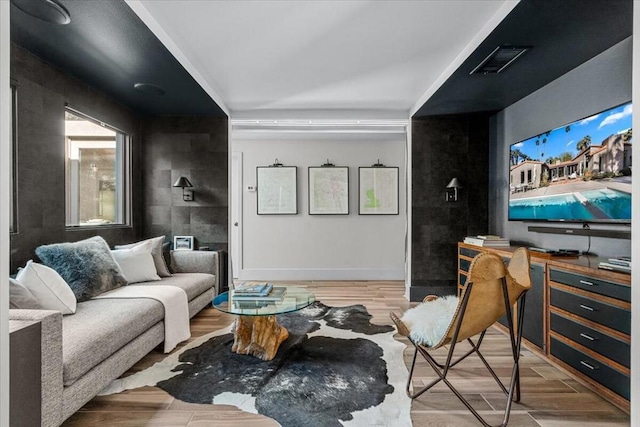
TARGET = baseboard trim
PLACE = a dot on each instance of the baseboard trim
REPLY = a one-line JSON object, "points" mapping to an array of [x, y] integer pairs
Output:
{"points": [[321, 274]]}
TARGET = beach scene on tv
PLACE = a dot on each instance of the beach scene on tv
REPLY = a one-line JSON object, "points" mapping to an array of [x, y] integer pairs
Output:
{"points": [[580, 172]]}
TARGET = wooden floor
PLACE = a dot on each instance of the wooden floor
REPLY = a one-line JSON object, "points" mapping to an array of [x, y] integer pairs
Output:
{"points": [[550, 398]]}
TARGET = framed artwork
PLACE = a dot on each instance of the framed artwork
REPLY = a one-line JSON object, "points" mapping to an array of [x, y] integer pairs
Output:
{"points": [[277, 190], [183, 243], [328, 190], [378, 190]]}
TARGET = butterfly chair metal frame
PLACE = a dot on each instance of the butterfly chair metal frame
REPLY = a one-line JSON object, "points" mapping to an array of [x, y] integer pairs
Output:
{"points": [[513, 390]]}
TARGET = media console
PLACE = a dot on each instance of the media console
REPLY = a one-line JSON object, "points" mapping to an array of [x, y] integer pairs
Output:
{"points": [[577, 317]]}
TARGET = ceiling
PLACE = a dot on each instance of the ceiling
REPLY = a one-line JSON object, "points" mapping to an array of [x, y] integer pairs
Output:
{"points": [[257, 58], [320, 55]]}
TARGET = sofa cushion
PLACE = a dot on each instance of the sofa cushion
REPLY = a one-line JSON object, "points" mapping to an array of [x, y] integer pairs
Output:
{"points": [[100, 328], [87, 266], [193, 284]]}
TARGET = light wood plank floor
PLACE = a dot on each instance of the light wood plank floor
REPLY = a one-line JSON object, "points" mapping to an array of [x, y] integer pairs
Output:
{"points": [[550, 398]]}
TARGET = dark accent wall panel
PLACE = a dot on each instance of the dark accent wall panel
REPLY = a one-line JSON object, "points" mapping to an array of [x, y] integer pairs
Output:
{"points": [[195, 147], [42, 92], [444, 147]]}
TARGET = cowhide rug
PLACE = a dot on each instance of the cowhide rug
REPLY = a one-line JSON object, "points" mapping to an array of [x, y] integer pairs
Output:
{"points": [[336, 368]]}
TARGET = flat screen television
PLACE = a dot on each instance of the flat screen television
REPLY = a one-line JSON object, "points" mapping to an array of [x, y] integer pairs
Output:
{"points": [[579, 172]]}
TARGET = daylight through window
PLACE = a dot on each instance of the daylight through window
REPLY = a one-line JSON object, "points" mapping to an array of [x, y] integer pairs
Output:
{"points": [[95, 172]]}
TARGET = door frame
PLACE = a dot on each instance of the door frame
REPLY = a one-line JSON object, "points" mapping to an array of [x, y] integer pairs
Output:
{"points": [[236, 215]]}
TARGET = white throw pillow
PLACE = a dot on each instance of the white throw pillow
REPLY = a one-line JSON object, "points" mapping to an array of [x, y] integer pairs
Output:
{"points": [[20, 297], [429, 321], [137, 263], [156, 253], [48, 288]]}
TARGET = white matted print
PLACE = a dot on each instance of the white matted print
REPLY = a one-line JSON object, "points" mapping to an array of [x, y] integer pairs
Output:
{"points": [[277, 190], [183, 243], [329, 190], [378, 191]]}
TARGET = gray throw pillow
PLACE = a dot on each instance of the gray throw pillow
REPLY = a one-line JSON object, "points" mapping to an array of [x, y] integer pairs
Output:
{"points": [[87, 266], [21, 297]]}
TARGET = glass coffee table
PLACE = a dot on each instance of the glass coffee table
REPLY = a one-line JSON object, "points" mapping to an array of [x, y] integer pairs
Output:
{"points": [[256, 330]]}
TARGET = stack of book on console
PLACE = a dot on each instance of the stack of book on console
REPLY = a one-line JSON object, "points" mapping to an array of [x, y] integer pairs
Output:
{"points": [[488, 241], [260, 292], [621, 265]]}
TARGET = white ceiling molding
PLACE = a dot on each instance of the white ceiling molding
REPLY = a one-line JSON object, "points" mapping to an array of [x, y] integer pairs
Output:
{"points": [[491, 24], [247, 126]]}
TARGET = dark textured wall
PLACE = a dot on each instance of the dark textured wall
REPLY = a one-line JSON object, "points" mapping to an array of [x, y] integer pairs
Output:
{"points": [[444, 147], [195, 147], [42, 92]]}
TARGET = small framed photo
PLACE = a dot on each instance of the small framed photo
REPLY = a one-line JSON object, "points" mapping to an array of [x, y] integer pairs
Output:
{"points": [[183, 243]]}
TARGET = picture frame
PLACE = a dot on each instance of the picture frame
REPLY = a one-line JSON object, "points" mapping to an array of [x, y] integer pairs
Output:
{"points": [[183, 243], [277, 190], [378, 190], [328, 190]]}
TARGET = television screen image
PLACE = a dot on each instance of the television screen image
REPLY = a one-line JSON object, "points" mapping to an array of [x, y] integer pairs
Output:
{"points": [[579, 172]]}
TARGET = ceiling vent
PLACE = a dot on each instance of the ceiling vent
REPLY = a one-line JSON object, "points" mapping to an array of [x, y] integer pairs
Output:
{"points": [[499, 59]]}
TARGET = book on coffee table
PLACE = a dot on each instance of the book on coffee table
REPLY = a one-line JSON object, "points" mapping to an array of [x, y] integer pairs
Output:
{"points": [[253, 289], [276, 294]]}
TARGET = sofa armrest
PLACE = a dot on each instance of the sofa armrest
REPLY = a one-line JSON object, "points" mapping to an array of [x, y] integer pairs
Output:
{"points": [[196, 262], [51, 353]]}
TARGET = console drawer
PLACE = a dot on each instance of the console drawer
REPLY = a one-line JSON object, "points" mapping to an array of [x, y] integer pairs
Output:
{"points": [[610, 378], [471, 253], [613, 348], [464, 264], [614, 317], [462, 279], [591, 284]]}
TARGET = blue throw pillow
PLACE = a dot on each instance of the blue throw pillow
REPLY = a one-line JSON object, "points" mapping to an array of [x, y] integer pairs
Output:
{"points": [[87, 266]]}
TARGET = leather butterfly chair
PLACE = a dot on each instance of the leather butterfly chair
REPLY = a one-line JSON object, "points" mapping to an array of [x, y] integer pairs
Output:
{"points": [[490, 292]]}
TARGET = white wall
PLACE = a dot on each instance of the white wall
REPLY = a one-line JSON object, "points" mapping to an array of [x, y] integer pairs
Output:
{"points": [[5, 98], [598, 84], [321, 247]]}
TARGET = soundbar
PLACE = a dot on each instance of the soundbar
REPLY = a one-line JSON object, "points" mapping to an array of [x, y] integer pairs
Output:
{"points": [[612, 234]]}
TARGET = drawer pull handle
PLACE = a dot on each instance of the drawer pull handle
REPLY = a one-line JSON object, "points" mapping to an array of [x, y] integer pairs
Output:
{"points": [[590, 338], [584, 282], [586, 307], [588, 365]]}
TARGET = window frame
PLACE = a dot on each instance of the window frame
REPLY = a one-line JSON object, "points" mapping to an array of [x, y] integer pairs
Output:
{"points": [[13, 161], [125, 186]]}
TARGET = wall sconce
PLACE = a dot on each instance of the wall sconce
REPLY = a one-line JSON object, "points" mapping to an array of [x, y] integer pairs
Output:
{"points": [[183, 182], [451, 194]]}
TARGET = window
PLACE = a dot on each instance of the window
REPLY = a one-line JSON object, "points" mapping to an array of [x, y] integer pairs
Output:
{"points": [[97, 171], [529, 175], [521, 177], [13, 217]]}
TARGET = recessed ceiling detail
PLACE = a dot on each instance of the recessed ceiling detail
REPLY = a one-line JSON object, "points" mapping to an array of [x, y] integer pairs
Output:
{"points": [[46, 10], [499, 59], [149, 89]]}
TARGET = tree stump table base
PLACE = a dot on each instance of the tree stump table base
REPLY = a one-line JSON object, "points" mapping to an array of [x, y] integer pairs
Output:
{"points": [[258, 336]]}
